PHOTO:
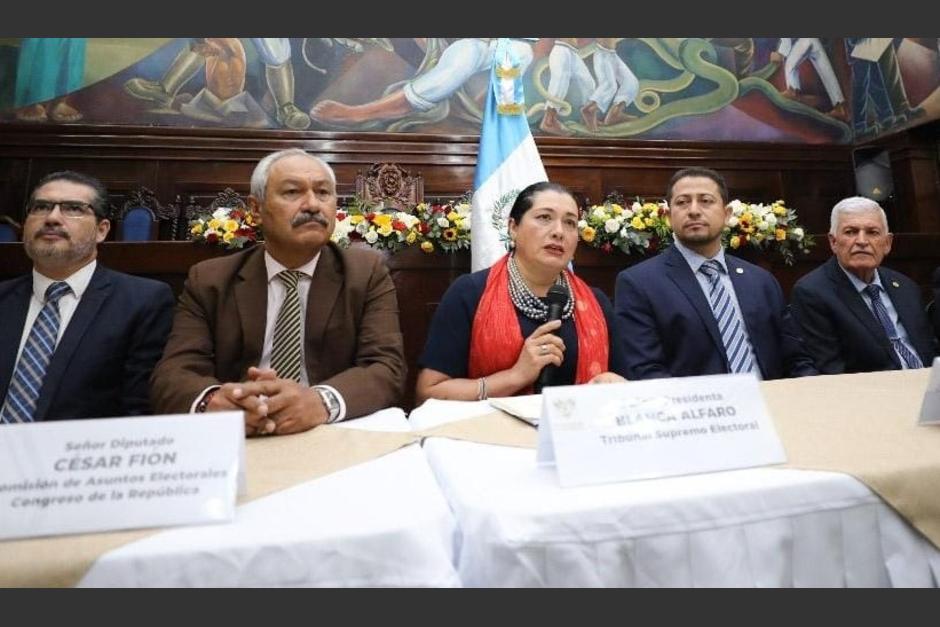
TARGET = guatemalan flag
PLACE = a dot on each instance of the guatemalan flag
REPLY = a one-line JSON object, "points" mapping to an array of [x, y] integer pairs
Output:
{"points": [[507, 161]]}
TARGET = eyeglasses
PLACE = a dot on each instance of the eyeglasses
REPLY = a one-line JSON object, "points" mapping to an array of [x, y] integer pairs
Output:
{"points": [[69, 208]]}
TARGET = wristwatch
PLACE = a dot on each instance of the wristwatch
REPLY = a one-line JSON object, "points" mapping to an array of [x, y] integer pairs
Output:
{"points": [[330, 402], [203, 404]]}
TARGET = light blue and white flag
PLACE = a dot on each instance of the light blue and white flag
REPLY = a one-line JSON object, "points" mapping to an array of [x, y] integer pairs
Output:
{"points": [[507, 161]]}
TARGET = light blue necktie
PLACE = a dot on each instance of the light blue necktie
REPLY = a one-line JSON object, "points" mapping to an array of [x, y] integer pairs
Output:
{"points": [[730, 325], [20, 404], [910, 358]]}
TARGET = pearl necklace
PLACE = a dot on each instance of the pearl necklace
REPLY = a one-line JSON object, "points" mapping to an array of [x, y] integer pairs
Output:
{"points": [[529, 304]]}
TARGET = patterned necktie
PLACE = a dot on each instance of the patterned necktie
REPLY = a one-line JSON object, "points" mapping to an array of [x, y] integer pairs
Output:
{"points": [[910, 358], [730, 325], [286, 349], [20, 405]]}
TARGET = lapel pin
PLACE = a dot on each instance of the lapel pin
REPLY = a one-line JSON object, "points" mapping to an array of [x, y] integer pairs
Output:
{"points": [[895, 284], [739, 270]]}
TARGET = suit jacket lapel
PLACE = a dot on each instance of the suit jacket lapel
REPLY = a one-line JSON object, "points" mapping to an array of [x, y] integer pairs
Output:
{"points": [[251, 299], [681, 274], [324, 292], [99, 288], [14, 308], [854, 302]]}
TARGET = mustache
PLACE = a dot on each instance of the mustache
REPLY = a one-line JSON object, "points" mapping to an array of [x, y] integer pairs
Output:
{"points": [[51, 230], [309, 216]]}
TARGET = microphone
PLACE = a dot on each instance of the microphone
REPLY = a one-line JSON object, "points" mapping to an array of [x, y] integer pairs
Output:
{"points": [[557, 298]]}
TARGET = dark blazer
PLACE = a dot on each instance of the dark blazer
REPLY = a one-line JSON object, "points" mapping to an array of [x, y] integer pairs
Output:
{"points": [[353, 339], [934, 312], [101, 366], [668, 328], [841, 332]]}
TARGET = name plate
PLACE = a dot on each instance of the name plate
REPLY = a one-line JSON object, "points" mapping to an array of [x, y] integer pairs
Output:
{"points": [[76, 476], [930, 406], [657, 428]]}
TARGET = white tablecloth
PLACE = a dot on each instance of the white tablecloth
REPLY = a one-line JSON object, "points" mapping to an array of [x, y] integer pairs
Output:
{"points": [[754, 527], [381, 523]]}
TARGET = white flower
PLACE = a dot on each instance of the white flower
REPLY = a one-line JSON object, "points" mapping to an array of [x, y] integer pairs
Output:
{"points": [[599, 213], [737, 207], [771, 219], [362, 227], [443, 222], [612, 225], [636, 206], [582, 223], [372, 236], [797, 233], [221, 213], [733, 221]]}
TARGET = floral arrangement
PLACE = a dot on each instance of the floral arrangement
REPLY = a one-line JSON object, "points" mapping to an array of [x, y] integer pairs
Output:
{"points": [[227, 227], [766, 227], [432, 227], [642, 227]]}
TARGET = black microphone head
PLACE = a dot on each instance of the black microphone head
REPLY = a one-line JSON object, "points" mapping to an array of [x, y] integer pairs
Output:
{"points": [[557, 298]]}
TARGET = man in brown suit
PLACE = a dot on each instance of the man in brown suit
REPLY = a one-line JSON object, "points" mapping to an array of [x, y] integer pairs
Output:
{"points": [[297, 332]]}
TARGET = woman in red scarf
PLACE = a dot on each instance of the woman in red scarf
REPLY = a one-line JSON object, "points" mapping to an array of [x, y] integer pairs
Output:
{"points": [[490, 335]]}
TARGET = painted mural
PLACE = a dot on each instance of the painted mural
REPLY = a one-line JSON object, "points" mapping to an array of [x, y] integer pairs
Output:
{"points": [[804, 90]]}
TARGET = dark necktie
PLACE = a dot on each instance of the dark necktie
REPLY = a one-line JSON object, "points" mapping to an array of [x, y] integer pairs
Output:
{"points": [[733, 332], [26, 383], [911, 360], [286, 349]]}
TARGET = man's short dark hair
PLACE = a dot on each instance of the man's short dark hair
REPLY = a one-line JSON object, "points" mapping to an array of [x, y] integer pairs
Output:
{"points": [[698, 171], [100, 202]]}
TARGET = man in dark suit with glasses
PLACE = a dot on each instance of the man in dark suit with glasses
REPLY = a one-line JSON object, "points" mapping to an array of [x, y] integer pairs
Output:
{"points": [[78, 340]]}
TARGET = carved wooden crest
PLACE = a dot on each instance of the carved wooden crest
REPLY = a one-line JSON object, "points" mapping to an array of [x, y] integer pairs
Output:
{"points": [[390, 185]]}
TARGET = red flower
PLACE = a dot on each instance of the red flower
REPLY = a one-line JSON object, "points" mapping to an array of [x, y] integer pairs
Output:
{"points": [[370, 216], [398, 225], [654, 243], [607, 247], [437, 209], [424, 228], [212, 238], [340, 215], [244, 232]]}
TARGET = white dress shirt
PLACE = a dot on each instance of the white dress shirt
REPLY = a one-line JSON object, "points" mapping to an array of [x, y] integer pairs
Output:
{"points": [[68, 303]]}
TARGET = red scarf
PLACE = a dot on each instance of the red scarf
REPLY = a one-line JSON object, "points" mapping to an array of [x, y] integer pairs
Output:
{"points": [[496, 338]]}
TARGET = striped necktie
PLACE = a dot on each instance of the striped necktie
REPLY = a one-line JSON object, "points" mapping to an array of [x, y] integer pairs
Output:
{"points": [[911, 360], [26, 383], [730, 325], [286, 350]]}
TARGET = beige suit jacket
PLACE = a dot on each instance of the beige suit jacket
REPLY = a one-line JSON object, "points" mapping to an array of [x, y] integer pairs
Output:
{"points": [[353, 338]]}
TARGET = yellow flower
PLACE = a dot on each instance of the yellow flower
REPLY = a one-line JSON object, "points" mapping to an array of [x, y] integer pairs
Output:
{"points": [[411, 237], [637, 223], [382, 220], [780, 235], [427, 247], [649, 221], [250, 219], [197, 229], [386, 229], [616, 209], [228, 237], [215, 224], [735, 242], [231, 226], [355, 219], [452, 216], [747, 216], [450, 234], [588, 233], [780, 210]]}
